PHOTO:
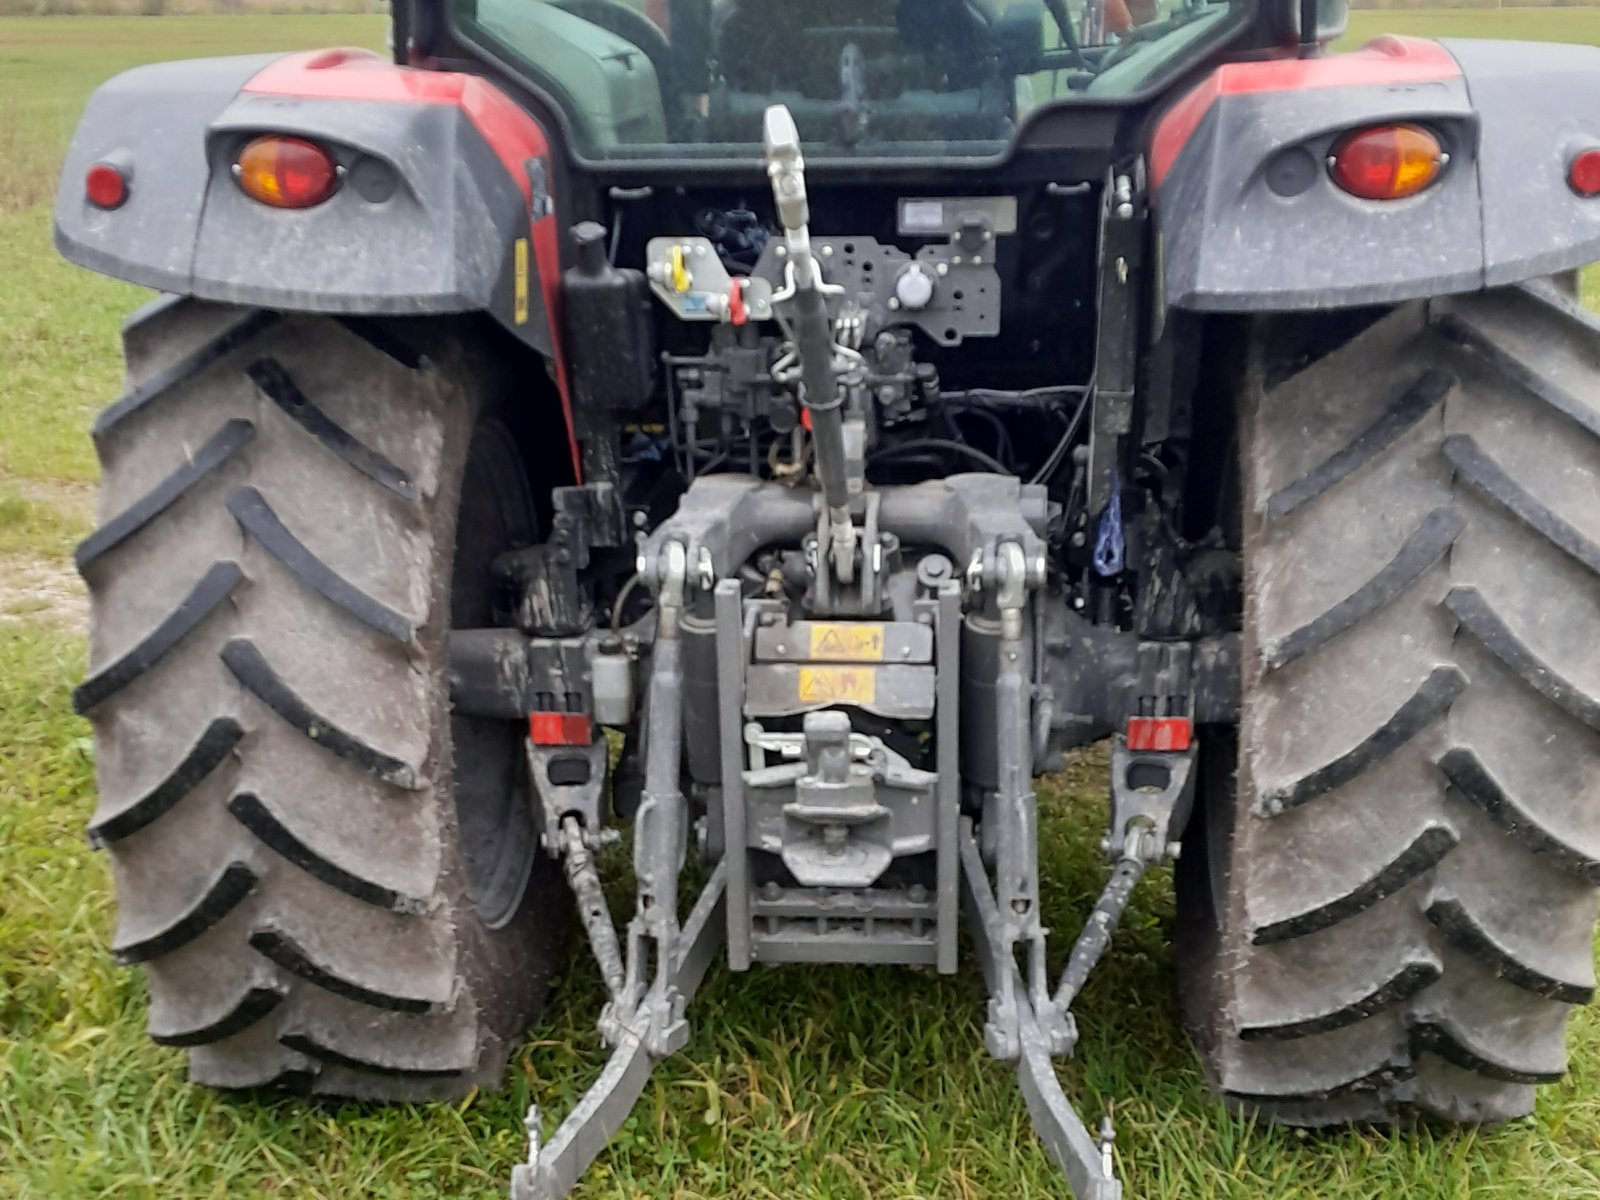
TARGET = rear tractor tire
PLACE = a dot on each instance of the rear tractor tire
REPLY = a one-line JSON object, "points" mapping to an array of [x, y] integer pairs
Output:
{"points": [[1394, 907], [328, 880]]}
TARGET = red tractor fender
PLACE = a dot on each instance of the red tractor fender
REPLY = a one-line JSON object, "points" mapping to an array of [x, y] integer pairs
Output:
{"points": [[1250, 218], [444, 205], [1384, 62], [515, 137]]}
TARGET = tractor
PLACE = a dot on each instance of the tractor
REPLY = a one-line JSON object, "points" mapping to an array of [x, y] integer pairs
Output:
{"points": [[783, 430]]}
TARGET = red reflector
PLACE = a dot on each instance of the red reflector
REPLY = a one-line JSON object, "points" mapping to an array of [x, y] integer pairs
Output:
{"points": [[105, 186], [1584, 174], [286, 172], [1159, 733], [560, 729], [1388, 162]]}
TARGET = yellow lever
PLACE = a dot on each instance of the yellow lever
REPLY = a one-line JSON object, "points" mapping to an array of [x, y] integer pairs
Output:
{"points": [[681, 279]]}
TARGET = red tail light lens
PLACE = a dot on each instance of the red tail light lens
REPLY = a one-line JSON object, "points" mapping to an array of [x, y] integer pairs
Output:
{"points": [[1387, 162], [105, 186], [1584, 174], [286, 172]]}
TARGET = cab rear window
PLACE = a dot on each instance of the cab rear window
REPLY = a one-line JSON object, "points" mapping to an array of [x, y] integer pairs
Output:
{"points": [[863, 78]]}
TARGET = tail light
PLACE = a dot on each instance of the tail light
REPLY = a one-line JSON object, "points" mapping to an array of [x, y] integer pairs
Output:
{"points": [[106, 185], [286, 172], [1387, 162], [1584, 174]]}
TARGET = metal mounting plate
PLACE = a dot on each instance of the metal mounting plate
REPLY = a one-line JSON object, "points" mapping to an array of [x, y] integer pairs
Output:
{"points": [[707, 282], [966, 293]]}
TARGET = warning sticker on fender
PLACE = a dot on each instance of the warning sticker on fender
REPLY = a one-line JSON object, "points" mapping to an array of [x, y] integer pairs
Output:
{"points": [[519, 282], [855, 642], [838, 685]]}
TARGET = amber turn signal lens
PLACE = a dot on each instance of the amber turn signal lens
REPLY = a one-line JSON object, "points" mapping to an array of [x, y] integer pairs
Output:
{"points": [[286, 172], [1584, 174], [105, 186], [1387, 162]]}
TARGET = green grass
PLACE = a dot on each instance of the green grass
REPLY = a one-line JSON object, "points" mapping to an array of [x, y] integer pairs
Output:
{"points": [[44, 528], [1534, 25], [798, 1083], [833, 1082], [58, 325]]}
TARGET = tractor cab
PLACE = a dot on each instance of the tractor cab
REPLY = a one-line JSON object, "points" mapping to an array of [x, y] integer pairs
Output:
{"points": [[887, 78]]}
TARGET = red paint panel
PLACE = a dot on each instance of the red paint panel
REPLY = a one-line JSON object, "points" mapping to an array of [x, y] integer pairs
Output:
{"points": [[1179, 125], [1159, 733], [513, 135], [560, 729], [351, 74], [1385, 62]]}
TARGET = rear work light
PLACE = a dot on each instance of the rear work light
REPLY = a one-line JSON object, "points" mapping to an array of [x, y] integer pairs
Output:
{"points": [[1387, 162], [286, 172], [1584, 173]]}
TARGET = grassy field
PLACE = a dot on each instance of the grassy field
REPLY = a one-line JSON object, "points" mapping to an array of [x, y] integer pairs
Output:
{"points": [[825, 1083], [1530, 24]]}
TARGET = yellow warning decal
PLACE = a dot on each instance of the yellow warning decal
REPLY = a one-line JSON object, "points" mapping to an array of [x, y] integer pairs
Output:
{"points": [[519, 304], [856, 642], [838, 685]]}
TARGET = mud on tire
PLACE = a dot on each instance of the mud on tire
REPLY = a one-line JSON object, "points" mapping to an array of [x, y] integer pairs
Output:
{"points": [[271, 590], [1400, 890]]}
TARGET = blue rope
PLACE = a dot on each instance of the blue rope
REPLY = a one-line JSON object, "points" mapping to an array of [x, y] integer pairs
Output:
{"points": [[1109, 546]]}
